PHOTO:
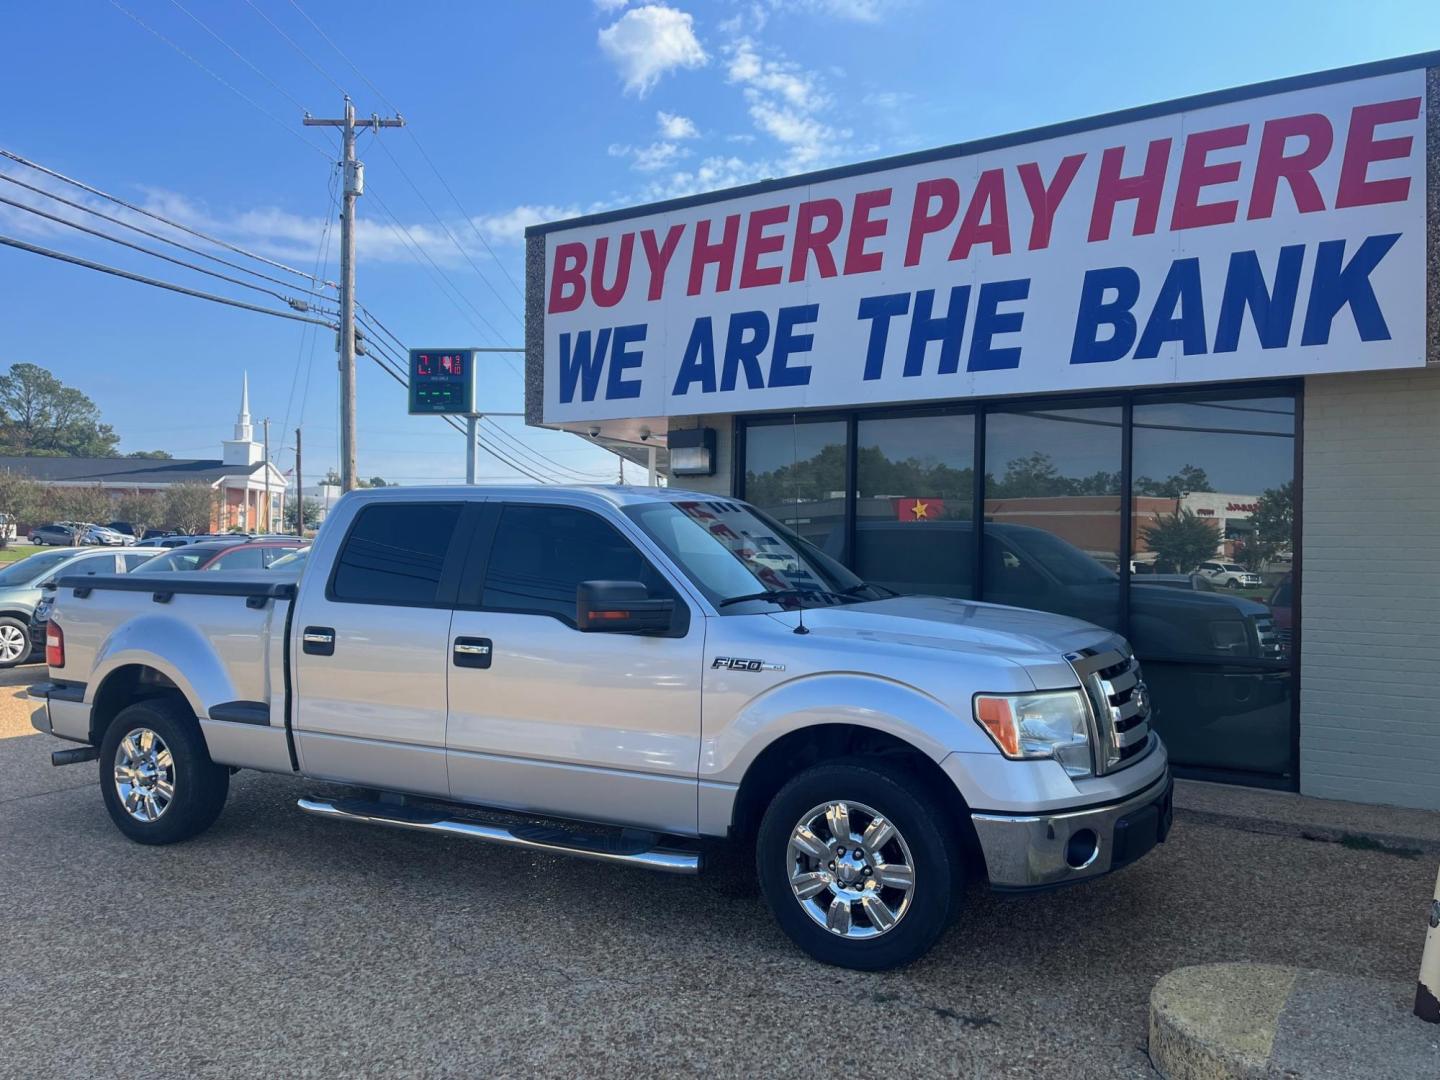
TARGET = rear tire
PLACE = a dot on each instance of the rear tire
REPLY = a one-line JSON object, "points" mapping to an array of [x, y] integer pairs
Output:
{"points": [[15, 644], [156, 776], [880, 895]]}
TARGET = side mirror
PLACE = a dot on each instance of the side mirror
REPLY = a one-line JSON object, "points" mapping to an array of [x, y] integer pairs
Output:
{"points": [[621, 607]]}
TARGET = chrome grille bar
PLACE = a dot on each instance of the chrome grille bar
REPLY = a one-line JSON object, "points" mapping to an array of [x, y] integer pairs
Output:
{"points": [[1119, 705]]}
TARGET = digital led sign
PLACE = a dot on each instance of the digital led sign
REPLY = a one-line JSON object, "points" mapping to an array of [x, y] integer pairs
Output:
{"points": [[442, 381]]}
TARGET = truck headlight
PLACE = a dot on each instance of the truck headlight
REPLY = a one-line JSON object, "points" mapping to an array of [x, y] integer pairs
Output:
{"points": [[1049, 725], [1229, 636]]}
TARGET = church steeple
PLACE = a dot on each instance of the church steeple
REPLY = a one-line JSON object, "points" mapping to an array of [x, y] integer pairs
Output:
{"points": [[244, 431]]}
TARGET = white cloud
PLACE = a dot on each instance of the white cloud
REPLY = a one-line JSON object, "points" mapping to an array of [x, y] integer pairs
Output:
{"points": [[711, 174], [610, 6], [674, 126], [785, 103], [647, 42]]}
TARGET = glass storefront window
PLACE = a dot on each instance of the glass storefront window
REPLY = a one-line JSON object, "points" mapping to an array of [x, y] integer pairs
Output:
{"points": [[1052, 511], [1210, 597], [795, 472], [915, 479]]}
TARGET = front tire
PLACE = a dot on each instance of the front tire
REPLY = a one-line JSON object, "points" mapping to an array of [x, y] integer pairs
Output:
{"points": [[859, 863], [159, 784], [1232, 584], [15, 644]]}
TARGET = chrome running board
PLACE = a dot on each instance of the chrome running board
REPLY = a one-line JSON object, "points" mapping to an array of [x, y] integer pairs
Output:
{"points": [[556, 841]]}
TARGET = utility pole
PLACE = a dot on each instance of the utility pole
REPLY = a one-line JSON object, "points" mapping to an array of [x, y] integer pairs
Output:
{"points": [[266, 424], [299, 491], [354, 176]]}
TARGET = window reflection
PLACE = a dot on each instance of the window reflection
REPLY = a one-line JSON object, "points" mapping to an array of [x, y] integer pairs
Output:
{"points": [[916, 484], [1052, 511], [795, 472]]}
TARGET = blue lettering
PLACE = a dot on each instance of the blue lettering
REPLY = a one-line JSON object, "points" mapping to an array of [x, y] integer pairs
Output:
{"points": [[743, 350], [1096, 311], [581, 364], [622, 359], [1272, 310], [1181, 290], [1334, 286], [880, 310], [948, 329], [698, 363], [788, 343], [989, 321]]}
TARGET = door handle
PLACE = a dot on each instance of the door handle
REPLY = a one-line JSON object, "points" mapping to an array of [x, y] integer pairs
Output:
{"points": [[472, 652], [318, 640]]}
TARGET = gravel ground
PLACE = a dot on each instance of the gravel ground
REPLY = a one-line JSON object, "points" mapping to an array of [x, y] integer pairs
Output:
{"points": [[281, 944]]}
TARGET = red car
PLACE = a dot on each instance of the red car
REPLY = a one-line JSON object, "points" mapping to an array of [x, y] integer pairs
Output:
{"points": [[1281, 612], [246, 555]]}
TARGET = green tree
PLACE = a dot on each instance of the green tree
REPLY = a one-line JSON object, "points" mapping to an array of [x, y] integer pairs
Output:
{"points": [[1274, 526], [21, 501], [1181, 541], [190, 507], [1189, 478], [41, 416], [312, 514], [89, 503], [152, 455], [142, 509]]}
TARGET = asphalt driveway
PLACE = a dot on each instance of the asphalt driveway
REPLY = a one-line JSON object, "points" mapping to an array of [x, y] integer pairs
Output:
{"points": [[281, 944]]}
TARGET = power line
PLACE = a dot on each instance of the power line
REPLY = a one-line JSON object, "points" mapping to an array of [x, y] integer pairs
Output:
{"points": [[274, 26], [20, 160], [322, 260], [298, 305], [238, 55], [10, 241], [229, 86]]}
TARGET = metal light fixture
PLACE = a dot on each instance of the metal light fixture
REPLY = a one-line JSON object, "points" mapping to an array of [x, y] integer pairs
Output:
{"points": [[692, 452]]}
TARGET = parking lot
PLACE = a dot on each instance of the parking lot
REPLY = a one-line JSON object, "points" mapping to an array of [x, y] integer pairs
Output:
{"points": [[281, 944]]}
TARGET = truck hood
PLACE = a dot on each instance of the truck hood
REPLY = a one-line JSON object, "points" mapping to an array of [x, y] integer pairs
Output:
{"points": [[1035, 640]]}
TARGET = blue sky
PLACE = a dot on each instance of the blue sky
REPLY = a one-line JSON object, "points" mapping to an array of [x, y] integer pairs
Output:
{"points": [[531, 110]]}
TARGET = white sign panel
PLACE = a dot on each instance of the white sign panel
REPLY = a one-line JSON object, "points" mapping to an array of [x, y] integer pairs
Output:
{"points": [[1280, 235]]}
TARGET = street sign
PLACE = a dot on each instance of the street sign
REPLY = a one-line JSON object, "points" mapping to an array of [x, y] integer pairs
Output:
{"points": [[442, 382]]}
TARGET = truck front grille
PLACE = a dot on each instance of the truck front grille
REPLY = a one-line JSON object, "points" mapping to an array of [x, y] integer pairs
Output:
{"points": [[1272, 645], [1119, 705]]}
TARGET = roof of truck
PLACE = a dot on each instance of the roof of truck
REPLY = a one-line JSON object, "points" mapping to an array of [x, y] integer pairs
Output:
{"points": [[616, 494]]}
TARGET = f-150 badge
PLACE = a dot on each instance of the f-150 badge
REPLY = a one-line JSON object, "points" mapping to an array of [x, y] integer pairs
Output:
{"points": [[739, 663]]}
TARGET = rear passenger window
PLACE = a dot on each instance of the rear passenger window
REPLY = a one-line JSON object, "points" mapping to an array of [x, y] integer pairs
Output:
{"points": [[541, 553], [394, 554]]}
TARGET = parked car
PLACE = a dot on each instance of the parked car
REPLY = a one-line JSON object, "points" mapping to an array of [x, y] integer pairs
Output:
{"points": [[21, 591], [1282, 611], [1230, 575], [244, 555], [59, 533], [174, 540], [617, 657], [91, 562], [292, 563], [105, 536]]}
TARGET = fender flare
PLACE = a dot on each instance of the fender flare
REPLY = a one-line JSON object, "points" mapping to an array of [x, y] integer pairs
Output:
{"points": [[157, 642]]}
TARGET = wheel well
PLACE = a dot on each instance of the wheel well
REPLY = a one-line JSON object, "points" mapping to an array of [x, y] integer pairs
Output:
{"points": [[801, 749], [125, 686]]}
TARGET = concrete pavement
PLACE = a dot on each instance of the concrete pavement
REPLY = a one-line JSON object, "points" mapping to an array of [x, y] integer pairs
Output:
{"points": [[281, 944]]}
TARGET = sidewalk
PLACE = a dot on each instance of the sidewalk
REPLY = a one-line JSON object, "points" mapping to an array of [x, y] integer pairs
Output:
{"points": [[1284, 813]]}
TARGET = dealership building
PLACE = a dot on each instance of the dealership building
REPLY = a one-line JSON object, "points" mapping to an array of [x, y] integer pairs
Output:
{"points": [[1174, 370]]}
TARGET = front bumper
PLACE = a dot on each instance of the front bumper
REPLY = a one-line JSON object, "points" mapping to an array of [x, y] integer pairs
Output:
{"points": [[1038, 851]]}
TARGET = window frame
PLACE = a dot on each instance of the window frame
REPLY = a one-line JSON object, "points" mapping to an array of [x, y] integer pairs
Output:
{"points": [[1127, 398], [450, 567], [476, 565]]}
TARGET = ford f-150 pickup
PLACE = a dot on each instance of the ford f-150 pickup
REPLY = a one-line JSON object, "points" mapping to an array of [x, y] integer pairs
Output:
{"points": [[614, 673]]}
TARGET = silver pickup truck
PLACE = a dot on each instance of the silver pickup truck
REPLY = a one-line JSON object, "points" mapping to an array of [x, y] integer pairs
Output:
{"points": [[614, 673]]}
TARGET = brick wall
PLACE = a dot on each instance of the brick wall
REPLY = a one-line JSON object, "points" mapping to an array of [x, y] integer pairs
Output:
{"points": [[1370, 650]]}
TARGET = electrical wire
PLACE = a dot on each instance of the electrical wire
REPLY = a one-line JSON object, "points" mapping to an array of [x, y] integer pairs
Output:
{"points": [[21, 160], [298, 305], [239, 56], [10, 241], [291, 41], [322, 260]]}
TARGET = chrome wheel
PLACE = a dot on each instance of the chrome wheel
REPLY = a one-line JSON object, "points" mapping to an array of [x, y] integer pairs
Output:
{"points": [[850, 869], [14, 643], [144, 775]]}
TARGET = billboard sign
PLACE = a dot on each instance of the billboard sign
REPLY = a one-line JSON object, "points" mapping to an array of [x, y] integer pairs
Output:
{"points": [[1271, 235]]}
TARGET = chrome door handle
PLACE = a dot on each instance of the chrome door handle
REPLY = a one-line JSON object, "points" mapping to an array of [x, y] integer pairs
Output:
{"points": [[473, 652], [318, 641]]}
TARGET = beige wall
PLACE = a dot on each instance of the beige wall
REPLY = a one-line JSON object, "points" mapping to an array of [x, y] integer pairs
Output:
{"points": [[724, 426], [1370, 629]]}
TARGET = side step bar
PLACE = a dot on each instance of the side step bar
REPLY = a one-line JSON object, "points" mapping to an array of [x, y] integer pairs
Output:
{"points": [[556, 841]]}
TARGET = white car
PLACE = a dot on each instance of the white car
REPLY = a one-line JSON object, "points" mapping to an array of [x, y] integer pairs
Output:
{"points": [[1229, 574]]}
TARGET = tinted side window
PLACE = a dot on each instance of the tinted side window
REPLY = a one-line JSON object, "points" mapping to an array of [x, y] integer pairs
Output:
{"points": [[394, 554], [541, 553], [243, 558]]}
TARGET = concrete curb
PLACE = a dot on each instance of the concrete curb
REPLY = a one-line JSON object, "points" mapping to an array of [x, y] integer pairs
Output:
{"points": [[1391, 843], [1262, 1021]]}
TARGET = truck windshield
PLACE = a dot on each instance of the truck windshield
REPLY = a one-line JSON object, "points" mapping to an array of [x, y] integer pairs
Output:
{"points": [[730, 550]]}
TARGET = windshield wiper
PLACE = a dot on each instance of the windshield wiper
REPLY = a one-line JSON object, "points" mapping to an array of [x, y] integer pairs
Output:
{"points": [[853, 589], [775, 596]]}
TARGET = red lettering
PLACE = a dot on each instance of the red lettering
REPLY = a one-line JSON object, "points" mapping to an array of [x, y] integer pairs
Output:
{"points": [[1273, 165], [1196, 174], [863, 228], [758, 244], [922, 221], [722, 254], [1145, 188], [810, 239], [1045, 200], [610, 296], [569, 273], [989, 199], [659, 258], [1362, 149]]}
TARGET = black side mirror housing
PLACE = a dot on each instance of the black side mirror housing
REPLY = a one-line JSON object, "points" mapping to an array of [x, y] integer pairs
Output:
{"points": [[621, 607]]}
